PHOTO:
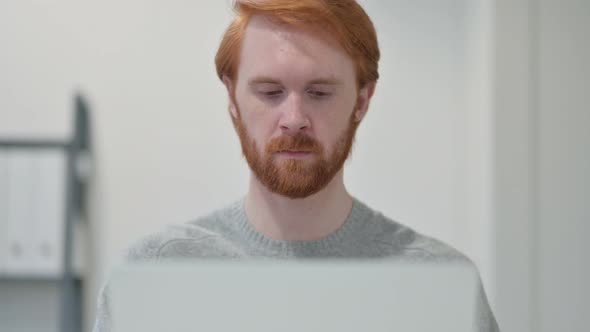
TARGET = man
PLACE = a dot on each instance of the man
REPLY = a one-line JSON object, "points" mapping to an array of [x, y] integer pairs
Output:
{"points": [[300, 76]]}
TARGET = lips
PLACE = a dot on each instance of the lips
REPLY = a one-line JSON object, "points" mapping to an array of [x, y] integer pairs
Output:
{"points": [[294, 154]]}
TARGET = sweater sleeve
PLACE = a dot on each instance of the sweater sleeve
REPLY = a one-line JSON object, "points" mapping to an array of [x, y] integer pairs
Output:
{"points": [[146, 249], [426, 249], [484, 317], [103, 317]]}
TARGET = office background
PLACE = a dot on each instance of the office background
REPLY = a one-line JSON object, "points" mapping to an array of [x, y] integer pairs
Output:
{"points": [[477, 135]]}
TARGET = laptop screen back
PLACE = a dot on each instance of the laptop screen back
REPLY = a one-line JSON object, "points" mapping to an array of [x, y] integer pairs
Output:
{"points": [[293, 296]]}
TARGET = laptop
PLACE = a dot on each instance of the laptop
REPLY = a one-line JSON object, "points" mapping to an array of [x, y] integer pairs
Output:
{"points": [[293, 296]]}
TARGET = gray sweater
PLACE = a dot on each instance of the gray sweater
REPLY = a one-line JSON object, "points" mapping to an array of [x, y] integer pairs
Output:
{"points": [[226, 233]]}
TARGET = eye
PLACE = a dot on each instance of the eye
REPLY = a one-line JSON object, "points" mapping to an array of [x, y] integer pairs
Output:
{"points": [[272, 93], [318, 94]]}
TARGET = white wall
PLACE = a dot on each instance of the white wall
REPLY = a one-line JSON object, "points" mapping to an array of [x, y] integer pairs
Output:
{"points": [[165, 151], [562, 165], [512, 164], [542, 164]]}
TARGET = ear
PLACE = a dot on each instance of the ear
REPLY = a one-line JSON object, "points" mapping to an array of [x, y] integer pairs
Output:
{"points": [[363, 100], [229, 85]]}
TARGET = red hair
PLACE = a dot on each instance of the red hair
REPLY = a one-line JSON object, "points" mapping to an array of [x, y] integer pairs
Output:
{"points": [[344, 19]]}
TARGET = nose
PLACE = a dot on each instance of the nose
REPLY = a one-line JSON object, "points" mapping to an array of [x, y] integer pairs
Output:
{"points": [[293, 118]]}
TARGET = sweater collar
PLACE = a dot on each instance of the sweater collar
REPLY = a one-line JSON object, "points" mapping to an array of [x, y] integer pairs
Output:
{"points": [[264, 244]]}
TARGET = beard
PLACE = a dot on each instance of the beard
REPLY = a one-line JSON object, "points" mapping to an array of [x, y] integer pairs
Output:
{"points": [[295, 178]]}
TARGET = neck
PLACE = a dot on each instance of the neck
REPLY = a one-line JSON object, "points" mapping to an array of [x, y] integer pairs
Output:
{"points": [[306, 219]]}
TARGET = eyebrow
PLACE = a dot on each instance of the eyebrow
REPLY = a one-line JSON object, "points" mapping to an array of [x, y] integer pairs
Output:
{"points": [[326, 81], [270, 80], [263, 79]]}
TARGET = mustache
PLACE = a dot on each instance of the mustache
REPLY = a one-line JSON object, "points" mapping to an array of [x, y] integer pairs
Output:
{"points": [[299, 142]]}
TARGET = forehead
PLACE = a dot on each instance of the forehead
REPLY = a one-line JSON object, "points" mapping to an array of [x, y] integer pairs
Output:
{"points": [[284, 52]]}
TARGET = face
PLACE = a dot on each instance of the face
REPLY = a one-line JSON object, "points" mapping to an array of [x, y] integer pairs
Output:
{"points": [[296, 106]]}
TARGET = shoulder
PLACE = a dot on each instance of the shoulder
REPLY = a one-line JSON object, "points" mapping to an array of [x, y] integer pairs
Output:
{"points": [[204, 236], [151, 247], [397, 239]]}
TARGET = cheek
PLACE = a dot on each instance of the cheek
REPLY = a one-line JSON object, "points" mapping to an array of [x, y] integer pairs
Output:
{"points": [[329, 134], [260, 128], [336, 119], [340, 109], [330, 128], [255, 117]]}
